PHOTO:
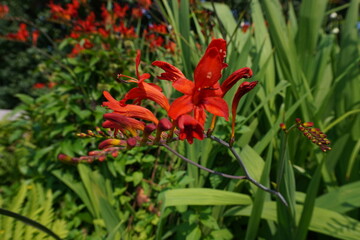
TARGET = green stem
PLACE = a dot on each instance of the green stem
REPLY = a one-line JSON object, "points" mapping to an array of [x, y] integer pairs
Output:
{"points": [[282, 160]]}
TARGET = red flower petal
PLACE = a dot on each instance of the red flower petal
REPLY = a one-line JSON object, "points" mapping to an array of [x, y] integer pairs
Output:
{"points": [[184, 85], [199, 114], [147, 91], [216, 106], [180, 106], [171, 73], [220, 44], [129, 110], [123, 123], [234, 77], [208, 70]]}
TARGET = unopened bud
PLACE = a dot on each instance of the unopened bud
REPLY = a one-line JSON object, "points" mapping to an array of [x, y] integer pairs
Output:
{"points": [[283, 126], [164, 124], [131, 142], [64, 158], [149, 128], [308, 124], [111, 142], [115, 154]]}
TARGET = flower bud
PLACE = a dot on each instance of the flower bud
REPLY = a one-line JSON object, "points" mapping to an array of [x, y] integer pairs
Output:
{"points": [[308, 124], [131, 142]]}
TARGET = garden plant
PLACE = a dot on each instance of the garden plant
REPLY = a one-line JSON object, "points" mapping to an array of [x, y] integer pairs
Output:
{"points": [[180, 119]]}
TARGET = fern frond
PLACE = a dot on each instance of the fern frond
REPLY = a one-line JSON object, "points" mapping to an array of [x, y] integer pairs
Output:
{"points": [[33, 211], [47, 215], [15, 206], [59, 227]]}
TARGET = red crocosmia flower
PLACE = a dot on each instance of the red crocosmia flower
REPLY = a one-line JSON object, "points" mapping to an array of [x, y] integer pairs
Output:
{"points": [[39, 85], [144, 90], [76, 50], [104, 33], [145, 3], [119, 11], [204, 93], [189, 128], [51, 84], [136, 13], [108, 20], [154, 40], [171, 46], [129, 110], [87, 44], [74, 35], [35, 35], [21, 35], [86, 26], [122, 123], [64, 13], [125, 31], [158, 28]]}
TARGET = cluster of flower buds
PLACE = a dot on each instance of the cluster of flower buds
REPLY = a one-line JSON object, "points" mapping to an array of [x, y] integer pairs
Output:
{"points": [[132, 125], [315, 135]]}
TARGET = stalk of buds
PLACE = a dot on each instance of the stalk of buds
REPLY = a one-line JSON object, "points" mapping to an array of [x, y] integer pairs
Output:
{"points": [[315, 135]]}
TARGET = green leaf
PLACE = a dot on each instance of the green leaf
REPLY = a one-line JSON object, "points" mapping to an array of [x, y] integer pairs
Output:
{"points": [[344, 199], [306, 215], [25, 98], [194, 234], [137, 177], [259, 199], [323, 221], [204, 196]]}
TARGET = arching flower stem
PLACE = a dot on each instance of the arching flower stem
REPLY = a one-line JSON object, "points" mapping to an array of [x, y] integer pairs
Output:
{"points": [[200, 166], [247, 175]]}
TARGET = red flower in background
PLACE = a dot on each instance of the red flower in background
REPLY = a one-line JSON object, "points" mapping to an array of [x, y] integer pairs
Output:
{"points": [[34, 36], [125, 31], [21, 35], [119, 11], [136, 13], [4, 10], [86, 26], [171, 46], [145, 3], [39, 85], [158, 28], [79, 47], [58, 12]]}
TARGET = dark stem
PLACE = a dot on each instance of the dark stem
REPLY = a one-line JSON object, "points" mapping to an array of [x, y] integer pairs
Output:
{"points": [[200, 166], [247, 175]]}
